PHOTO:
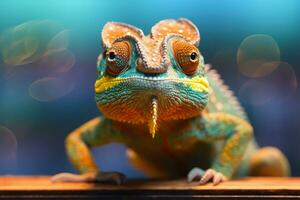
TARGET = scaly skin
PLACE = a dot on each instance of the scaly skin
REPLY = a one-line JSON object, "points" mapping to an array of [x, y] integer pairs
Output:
{"points": [[158, 85]]}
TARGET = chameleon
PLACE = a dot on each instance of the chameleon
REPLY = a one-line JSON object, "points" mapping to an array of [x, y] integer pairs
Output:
{"points": [[172, 111]]}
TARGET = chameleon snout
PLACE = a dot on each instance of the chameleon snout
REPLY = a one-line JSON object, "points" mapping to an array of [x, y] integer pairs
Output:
{"points": [[150, 69]]}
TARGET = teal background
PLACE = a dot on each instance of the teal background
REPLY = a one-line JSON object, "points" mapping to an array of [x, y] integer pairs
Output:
{"points": [[40, 127]]}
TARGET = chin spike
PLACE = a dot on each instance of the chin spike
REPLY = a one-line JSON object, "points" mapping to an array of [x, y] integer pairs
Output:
{"points": [[153, 117]]}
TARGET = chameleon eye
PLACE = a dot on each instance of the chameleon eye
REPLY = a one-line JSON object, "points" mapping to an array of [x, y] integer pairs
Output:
{"points": [[111, 56], [186, 56], [117, 57]]}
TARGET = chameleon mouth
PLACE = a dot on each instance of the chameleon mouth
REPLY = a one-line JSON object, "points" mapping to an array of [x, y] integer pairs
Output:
{"points": [[152, 121], [197, 83]]}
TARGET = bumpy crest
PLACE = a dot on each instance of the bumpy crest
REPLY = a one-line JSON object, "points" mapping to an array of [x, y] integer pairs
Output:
{"points": [[182, 27], [221, 98], [152, 48]]}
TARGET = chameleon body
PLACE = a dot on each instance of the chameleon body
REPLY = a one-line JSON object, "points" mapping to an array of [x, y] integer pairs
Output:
{"points": [[173, 112]]}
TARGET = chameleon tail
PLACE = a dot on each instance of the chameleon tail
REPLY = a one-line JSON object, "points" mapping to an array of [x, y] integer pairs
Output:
{"points": [[153, 117]]}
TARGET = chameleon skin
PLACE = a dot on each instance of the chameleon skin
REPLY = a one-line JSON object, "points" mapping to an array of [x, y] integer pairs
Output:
{"points": [[159, 84]]}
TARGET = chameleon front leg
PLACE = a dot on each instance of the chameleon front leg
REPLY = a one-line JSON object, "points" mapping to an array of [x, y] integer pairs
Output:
{"points": [[78, 143], [235, 131]]}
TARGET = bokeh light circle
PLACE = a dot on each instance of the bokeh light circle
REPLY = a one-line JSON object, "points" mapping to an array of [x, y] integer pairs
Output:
{"points": [[277, 86], [59, 41], [8, 144], [25, 43], [50, 88], [59, 60], [258, 55], [19, 51]]}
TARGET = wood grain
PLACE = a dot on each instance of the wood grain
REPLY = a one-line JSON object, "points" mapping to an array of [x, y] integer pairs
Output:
{"points": [[40, 187]]}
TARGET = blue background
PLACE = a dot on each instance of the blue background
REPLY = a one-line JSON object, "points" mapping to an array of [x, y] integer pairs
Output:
{"points": [[40, 127]]}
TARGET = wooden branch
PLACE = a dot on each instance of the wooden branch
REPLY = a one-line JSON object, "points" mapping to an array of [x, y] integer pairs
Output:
{"points": [[40, 187]]}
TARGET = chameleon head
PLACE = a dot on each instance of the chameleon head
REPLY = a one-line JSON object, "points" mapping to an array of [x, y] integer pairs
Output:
{"points": [[149, 79]]}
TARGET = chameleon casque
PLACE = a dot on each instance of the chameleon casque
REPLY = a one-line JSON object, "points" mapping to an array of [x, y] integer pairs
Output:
{"points": [[172, 111]]}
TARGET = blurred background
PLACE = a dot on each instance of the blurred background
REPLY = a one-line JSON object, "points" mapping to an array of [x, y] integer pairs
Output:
{"points": [[48, 52]]}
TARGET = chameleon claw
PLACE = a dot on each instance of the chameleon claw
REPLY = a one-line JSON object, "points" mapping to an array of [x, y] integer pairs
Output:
{"points": [[205, 177], [218, 178], [195, 173], [114, 177], [212, 175], [69, 177]]}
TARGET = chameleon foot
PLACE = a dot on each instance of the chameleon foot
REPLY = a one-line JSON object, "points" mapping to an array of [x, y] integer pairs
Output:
{"points": [[205, 177], [114, 177]]}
